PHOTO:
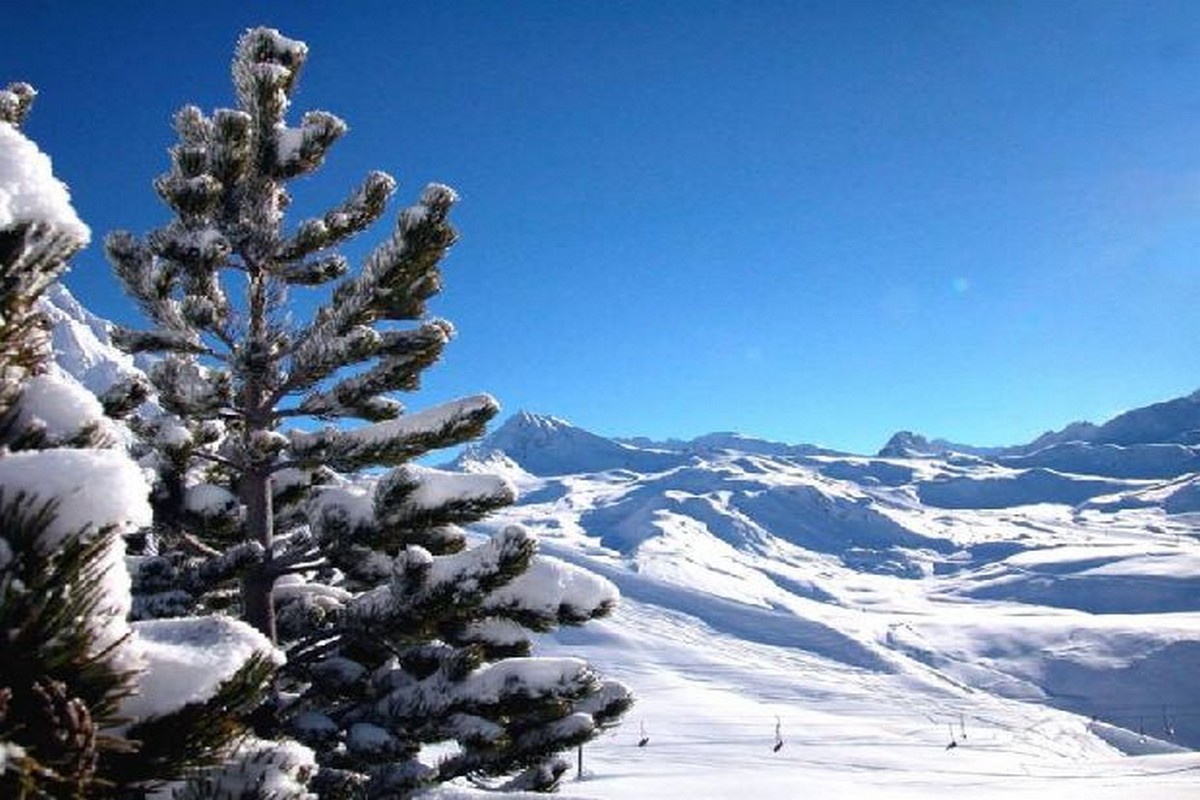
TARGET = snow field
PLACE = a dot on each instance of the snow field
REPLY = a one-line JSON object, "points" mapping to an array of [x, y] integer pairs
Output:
{"points": [[902, 649]]}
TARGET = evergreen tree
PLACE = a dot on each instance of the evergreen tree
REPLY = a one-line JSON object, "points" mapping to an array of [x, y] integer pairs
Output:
{"points": [[76, 718], [398, 634], [58, 684]]}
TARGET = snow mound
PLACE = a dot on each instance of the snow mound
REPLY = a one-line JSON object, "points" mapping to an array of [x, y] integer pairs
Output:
{"points": [[1180, 496], [29, 192], [186, 660]]}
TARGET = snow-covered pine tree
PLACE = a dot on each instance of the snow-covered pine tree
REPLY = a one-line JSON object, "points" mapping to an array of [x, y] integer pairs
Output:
{"points": [[419, 639], [399, 635], [58, 686], [84, 699]]}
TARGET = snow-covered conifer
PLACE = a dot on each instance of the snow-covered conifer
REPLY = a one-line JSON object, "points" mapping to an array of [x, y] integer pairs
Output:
{"points": [[83, 707], [398, 633]]}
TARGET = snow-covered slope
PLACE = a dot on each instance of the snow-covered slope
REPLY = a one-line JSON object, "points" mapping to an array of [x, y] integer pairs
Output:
{"points": [[876, 609], [926, 622], [82, 347]]}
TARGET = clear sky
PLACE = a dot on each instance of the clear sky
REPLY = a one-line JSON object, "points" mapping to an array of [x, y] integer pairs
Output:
{"points": [[809, 221]]}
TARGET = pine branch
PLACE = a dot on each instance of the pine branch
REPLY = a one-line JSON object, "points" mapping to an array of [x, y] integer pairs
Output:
{"points": [[397, 441], [358, 212], [198, 734], [59, 685]]}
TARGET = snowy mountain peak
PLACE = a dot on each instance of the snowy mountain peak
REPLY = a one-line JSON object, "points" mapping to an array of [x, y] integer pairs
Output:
{"points": [[545, 445], [528, 420], [81, 342], [906, 444]]}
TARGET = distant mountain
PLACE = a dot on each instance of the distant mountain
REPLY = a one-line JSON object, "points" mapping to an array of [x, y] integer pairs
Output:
{"points": [[732, 442], [1171, 422], [922, 471], [1161, 440], [81, 342], [906, 444], [544, 445]]}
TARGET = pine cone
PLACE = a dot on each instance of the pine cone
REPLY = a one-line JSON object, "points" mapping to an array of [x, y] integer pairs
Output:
{"points": [[67, 733]]}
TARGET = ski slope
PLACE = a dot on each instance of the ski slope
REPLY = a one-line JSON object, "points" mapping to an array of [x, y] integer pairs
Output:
{"points": [[810, 625]]}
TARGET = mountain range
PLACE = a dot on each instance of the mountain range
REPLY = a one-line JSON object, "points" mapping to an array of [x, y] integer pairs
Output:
{"points": [[934, 617]]}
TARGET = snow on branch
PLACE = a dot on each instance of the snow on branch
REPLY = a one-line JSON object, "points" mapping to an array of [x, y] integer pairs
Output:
{"points": [[512, 683], [405, 354], [552, 592], [15, 102], [322, 356], [265, 768], [418, 497], [29, 192], [92, 489], [512, 679], [266, 65], [64, 412], [87, 493], [425, 588], [397, 278], [316, 272], [186, 660], [395, 441], [148, 280], [299, 151], [189, 389], [341, 513], [171, 341]]}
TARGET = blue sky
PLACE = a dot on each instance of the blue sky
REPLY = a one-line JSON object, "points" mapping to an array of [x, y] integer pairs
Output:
{"points": [[808, 221]]}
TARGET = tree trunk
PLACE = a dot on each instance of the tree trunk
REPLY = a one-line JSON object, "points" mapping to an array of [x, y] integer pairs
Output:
{"points": [[258, 607]]}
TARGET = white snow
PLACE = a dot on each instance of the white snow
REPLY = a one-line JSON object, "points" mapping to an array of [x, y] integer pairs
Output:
{"points": [[187, 659], [93, 488], [29, 192], [271, 72], [771, 588], [420, 422], [535, 677], [208, 499], [258, 768], [550, 584], [367, 738], [64, 407], [436, 488], [343, 505], [81, 342], [776, 586], [288, 142]]}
